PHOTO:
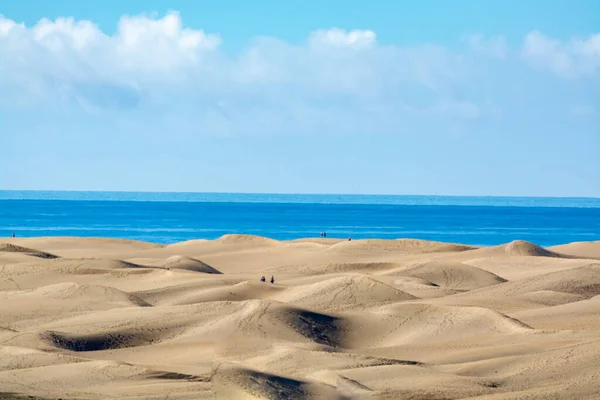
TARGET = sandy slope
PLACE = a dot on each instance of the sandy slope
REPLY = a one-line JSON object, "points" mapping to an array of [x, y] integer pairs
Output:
{"points": [[375, 319]]}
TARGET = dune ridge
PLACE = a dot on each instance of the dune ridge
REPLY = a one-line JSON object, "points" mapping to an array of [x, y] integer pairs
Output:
{"points": [[88, 318], [519, 248], [12, 248]]}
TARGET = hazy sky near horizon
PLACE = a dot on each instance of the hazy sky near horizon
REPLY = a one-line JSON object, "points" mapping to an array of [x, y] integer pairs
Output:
{"points": [[469, 97]]}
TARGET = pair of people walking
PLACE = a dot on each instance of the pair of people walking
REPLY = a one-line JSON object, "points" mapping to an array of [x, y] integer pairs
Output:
{"points": [[263, 279]]}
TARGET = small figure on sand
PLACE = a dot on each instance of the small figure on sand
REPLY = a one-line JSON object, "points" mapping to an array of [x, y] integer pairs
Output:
{"points": [[349, 239], [272, 279], [13, 234], [263, 279], [324, 234]]}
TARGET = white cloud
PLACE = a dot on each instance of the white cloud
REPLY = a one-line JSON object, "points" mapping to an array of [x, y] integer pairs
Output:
{"points": [[6, 26], [66, 33], [80, 47], [161, 43], [337, 80], [340, 38], [572, 59], [156, 57], [66, 60]]}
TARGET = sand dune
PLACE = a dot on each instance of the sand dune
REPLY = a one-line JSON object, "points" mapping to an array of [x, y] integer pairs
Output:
{"points": [[245, 383], [343, 293], [402, 324], [523, 248], [575, 315], [517, 248], [88, 318], [237, 292], [322, 241], [177, 262], [189, 264], [570, 373], [584, 281], [236, 239], [447, 274], [334, 268], [580, 249], [400, 245], [13, 248], [77, 247], [184, 292], [534, 291], [28, 308]]}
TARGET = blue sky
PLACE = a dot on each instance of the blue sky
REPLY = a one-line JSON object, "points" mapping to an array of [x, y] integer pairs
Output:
{"points": [[431, 97]]}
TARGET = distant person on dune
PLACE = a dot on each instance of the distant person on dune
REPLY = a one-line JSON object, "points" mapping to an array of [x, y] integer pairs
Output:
{"points": [[272, 279], [263, 279]]}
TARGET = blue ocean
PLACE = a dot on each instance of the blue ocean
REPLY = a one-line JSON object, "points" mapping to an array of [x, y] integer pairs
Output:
{"points": [[174, 217]]}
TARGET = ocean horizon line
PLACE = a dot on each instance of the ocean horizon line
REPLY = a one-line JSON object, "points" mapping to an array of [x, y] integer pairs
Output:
{"points": [[151, 192]]}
